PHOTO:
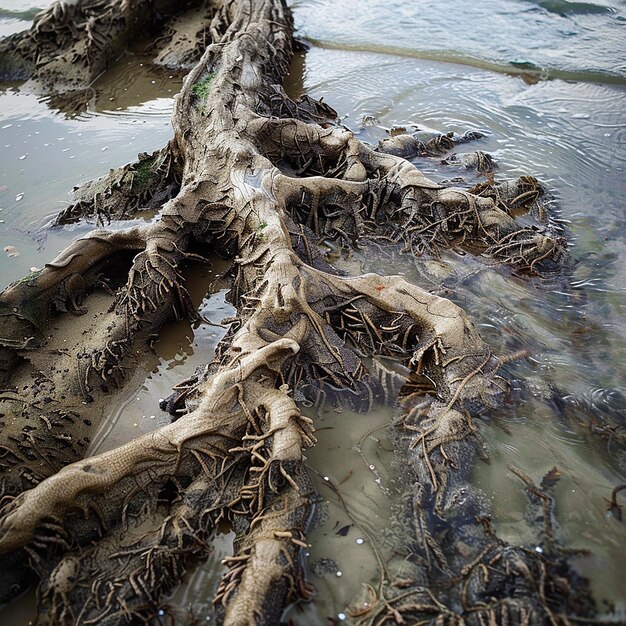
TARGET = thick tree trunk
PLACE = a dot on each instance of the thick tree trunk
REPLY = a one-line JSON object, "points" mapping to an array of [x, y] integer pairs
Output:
{"points": [[252, 175]]}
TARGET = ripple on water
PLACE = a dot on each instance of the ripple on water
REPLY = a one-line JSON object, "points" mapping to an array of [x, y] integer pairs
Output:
{"points": [[568, 135], [574, 40]]}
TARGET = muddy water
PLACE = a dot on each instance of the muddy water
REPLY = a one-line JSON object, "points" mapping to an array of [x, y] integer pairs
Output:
{"points": [[382, 64]]}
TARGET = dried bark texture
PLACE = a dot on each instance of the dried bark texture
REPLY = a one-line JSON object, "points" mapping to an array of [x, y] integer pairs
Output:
{"points": [[257, 177]]}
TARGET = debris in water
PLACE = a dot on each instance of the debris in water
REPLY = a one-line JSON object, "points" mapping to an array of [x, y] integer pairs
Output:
{"points": [[11, 251], [344, 530], [612, 505], [397, 130], [551, 478]]}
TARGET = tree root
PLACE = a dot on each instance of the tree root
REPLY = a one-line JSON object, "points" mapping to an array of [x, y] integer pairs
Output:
{"points": [[456, 574], [382, 196], [129, 572], [27, 305], [126, 192], [264, 180], [71, 43]]}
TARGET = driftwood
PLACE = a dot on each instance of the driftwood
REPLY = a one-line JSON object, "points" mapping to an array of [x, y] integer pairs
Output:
{"points": [[263, 180]]}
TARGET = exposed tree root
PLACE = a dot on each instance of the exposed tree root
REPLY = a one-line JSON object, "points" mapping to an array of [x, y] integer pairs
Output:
{"points": [[265, 180], [127, 191], [71, 43]]}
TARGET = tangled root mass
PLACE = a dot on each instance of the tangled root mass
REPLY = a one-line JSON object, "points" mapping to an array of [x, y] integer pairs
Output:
{"points": [[263, 180]]}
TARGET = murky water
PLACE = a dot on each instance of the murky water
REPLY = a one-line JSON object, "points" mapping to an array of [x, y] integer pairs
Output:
{"points": [[546, 81]]}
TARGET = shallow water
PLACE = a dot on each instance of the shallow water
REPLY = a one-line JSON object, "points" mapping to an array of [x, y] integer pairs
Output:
{"points": [[578, 40], [410, 63]]}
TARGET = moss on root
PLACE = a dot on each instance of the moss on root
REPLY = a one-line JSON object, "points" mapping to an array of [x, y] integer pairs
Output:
{"points": [[203, 86]]}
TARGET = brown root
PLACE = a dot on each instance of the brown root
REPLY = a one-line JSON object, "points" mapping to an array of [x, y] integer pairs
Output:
{"points": [[264, 180]]}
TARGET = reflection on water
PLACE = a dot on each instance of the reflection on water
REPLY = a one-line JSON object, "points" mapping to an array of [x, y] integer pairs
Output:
{"points": [[570, 134], [350, 466], [45, 154]]}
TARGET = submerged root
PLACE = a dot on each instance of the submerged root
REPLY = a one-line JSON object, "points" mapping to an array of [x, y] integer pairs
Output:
{"points": [[449, 566]]}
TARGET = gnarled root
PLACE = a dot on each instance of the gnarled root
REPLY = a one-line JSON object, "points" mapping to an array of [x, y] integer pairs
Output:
{"points": [[450, 566], [127, 191], [351, 192], [266, 571], [124, 576], [258, 179], [27, 305], [71, 43]]}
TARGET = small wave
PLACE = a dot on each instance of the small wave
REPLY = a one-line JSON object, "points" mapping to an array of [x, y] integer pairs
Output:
{"points": [[524, 69], [563, 7], [26, 15]]}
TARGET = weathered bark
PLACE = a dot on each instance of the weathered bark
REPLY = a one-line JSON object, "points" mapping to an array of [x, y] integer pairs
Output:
{"points": [[254, 176]]}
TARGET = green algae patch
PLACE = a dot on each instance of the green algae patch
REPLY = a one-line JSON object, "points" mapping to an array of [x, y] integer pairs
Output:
{"points": [[203, 87]]}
